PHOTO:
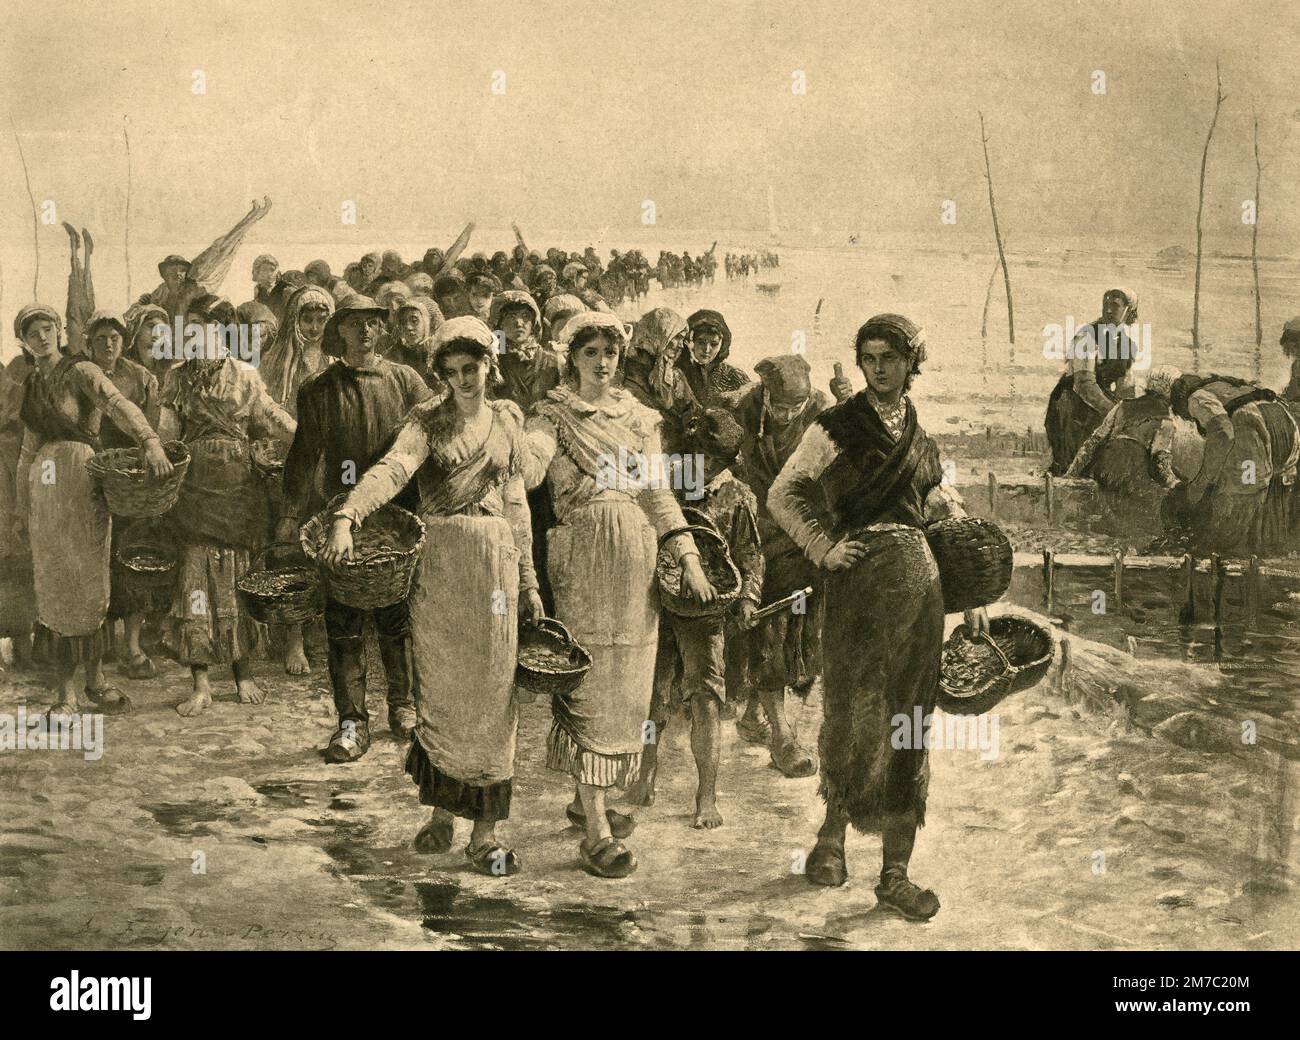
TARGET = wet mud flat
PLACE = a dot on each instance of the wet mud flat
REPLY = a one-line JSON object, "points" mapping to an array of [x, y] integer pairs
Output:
{"points": [[229, 831]]}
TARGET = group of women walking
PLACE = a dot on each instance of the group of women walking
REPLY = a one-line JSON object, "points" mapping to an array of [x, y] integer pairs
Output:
{"points": [[481, 464]]}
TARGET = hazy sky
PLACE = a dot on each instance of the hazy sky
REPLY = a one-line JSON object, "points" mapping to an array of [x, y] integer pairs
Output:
{"points": [[686, 103]]}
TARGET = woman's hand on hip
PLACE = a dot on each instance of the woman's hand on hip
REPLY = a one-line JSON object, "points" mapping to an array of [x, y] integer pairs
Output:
{"points": [[338, 544], [844, 555]]}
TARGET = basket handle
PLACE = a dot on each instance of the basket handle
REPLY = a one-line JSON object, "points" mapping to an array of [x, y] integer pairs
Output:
{"points": [[554, 627], [266, 549], [692, 530], [1007, 666]]}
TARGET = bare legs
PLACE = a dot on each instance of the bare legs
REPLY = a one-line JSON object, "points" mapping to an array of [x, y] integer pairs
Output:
{"points": [[201, 699]]}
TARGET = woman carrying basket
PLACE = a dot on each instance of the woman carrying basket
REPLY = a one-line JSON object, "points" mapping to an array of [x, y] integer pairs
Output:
{"points": [[882, 634], [71, 532], [476, 576], [221, 517], [591, 441]]}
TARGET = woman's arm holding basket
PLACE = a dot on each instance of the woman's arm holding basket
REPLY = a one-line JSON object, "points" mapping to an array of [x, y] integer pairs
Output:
{"points": [[388, 476]]}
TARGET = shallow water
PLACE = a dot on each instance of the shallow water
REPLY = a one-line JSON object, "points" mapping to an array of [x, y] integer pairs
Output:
{"points": [[1261, 657]]}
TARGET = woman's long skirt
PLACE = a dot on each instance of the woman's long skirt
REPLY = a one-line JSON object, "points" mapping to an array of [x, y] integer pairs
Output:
{"points": [[602, 566], [210, 624], [71, 534], [17, 596], [882, 637], [464, 645]]}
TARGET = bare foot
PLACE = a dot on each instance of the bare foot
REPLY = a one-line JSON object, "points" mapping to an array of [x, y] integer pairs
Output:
{"points": [[640, 792], [249, 692], [200, 701], [295, 662], [707, 818]]}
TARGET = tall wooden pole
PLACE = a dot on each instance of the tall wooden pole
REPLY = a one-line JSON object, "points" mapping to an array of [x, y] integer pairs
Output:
{"points": [[126, 223], [1254, 257], [36, 241], [997, 235], [1219, 98]]}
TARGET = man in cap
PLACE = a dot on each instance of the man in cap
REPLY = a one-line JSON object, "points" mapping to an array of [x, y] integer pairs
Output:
{"points": [[346, 418]]}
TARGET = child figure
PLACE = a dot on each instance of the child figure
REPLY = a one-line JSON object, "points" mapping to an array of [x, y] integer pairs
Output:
{"points": [[692, 661]]}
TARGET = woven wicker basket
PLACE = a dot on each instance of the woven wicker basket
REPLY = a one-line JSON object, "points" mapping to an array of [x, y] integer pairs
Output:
{"points": [[1022, 652], [128, 488], [280, 595], [147, 563], [267, 457], [568, 662], [386, 549], [718, 567], [974, 561]]}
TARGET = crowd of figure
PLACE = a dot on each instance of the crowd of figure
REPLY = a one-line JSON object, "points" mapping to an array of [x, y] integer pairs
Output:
{"points": [[1232, 492], [492, 402], [742, 265]]}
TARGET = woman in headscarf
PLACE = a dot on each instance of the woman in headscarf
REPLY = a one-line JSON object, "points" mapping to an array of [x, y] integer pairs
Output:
{"points": [[70, 530], [651, 372], [529, 371], [135, 383], [558, 310], [418, 319], [147, 326], [213, 403], [855, 497], [582, 440], [705, 364], [1098, 372], [295, 354], [261, 322], [466, 453]]}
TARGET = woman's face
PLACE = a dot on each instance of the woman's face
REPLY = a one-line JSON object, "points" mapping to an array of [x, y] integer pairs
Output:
{"points": [[1114, 308], [705, 345], [884, 367], [41, 337], [465, 374], [106, 345], [410, 327], [596, 362], [311, 322], [517, 324]]}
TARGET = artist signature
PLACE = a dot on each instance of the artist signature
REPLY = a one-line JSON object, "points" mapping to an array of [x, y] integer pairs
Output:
{"points": [[251, 935]]}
